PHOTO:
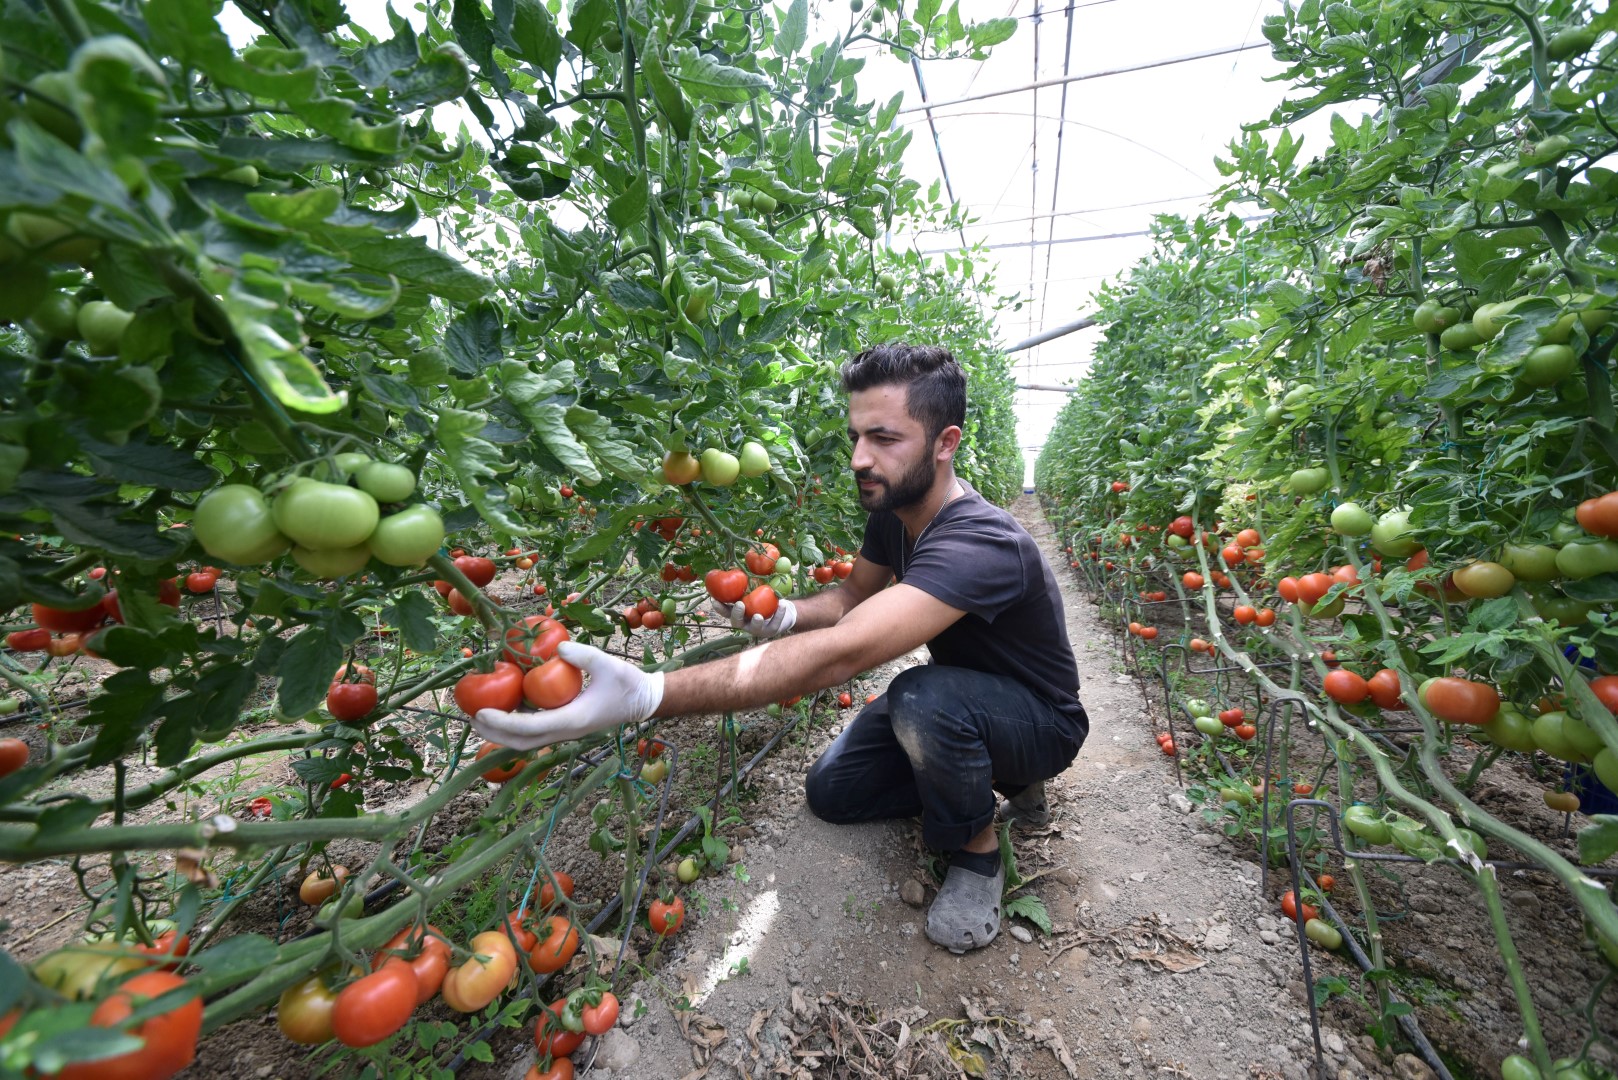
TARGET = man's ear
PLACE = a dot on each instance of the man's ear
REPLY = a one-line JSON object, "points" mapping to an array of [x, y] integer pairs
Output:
{"points": [[949, 440]]}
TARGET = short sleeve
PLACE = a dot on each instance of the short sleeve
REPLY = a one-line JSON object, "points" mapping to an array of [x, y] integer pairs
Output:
{"points": [[970, 568], [874, 548]]}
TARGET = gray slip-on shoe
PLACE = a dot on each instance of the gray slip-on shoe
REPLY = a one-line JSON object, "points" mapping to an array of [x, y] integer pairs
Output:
{"points": [[966, 913], [1028, 808]]}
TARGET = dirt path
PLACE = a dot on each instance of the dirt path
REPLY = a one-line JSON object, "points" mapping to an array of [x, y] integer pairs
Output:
{"points": [[835, 957]]}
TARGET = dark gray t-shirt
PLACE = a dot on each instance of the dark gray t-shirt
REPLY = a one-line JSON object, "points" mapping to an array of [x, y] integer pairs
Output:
{"points": [[976, 557]]}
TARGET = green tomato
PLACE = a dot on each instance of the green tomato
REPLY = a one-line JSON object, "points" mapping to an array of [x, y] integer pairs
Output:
{"points": [[1431, 317], [719, 468], [1351, 519], [1329, 610], [1566, 44], [385, 482], [1462, 337], [1530, 562], [9, 705], [1324, 934], [57, 315], [1391, 535], [1551, 735], [742, 198], [783, 565], [1367, 824], [655, 772], [242, 174], [234, 523], [1586, 560], [781, 583], [1297, 394], [324, 517], [1308, 481], [1385, 418], [1274, 416], [1605, 764], [755, 459], [773, 709], [1554, 607], [1547, 365], [329, 564], [409, 537], [1208, 725], [1486, 320], [1511, 730], [350, 462], [1583, 738], [1517, 1067], [669, 609], [352, 908], [1573, 1069], [1412, 838], [688, 871], [46, 238], [764, 202], [102, 324], [1198, 707]]}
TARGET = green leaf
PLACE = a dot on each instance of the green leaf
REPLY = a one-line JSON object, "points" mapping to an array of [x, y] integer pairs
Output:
{"points": [[794, 28], [1029, 907], [413, 614], [730, 263], [311, 659], [126, 705], [410, 259], [1600, 589], [709, 79], [629, 207], [473, 33], [236, 955], [992, 32], [272, 338], [601, 436], [534, 36], [476, 462], [474, 340], [146, 464], [665, 91], [1598, 841]]}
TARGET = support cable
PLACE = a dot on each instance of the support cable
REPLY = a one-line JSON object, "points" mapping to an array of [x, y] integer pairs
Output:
{"points": [[949, 188], [1056, 175]]}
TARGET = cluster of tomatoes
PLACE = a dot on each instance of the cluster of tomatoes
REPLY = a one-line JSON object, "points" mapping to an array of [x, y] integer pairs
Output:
{"points": [[650, 614], [63, 632], [1233, 720], [733, 585], [530, 670]]}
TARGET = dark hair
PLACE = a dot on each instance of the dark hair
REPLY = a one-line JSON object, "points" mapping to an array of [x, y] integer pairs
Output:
{"points": [[936, 385]]}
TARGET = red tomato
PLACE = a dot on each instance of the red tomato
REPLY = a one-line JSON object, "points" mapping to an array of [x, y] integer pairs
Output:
{"points": [[478, 570], [1199, 645], [761, 562], [485, 976], [521, 937], [1346, 574], [1606, 688], [558, 940], [552, 684], [170, 1037], [1303, 789], [499, 689], [824, 574], [1191, 580], [371, 1008], [354, 673], [28, 640], [1248, 538], [668, 528], [1245, 732], [1345, 687], [459, 604], [632, 617], [13, 755], [1288, 588], [499, 774], [1266, 617], [534, 639], [666, 917], [843, 569], [1311, 587], [1232, 717], [600, 1018], [69, 622], [551, 1038], [66, 645], [350, 700], [426, 952], [1245, 614], [1329, 658], [652, 620], [762, 601], [845, 699], [200, 582], [726, 586], [1232, 555], [1326, 882], [1148, 633], [1168, 747], [547, 892], [1384, 689], [1460, 701], [1290, 908], [1182, 527]]}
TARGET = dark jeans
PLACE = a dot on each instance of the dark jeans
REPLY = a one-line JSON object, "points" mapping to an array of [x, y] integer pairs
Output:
{"points": [[939, 743]]}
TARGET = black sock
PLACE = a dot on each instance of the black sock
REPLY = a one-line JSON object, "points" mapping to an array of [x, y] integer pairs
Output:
{"points": [[984, 864]]}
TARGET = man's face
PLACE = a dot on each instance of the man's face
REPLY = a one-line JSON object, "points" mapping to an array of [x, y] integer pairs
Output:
{"points": [[892, 456]]}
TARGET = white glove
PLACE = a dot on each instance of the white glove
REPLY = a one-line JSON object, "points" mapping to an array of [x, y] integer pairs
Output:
{"points": [[784, 619], [618, 693]]}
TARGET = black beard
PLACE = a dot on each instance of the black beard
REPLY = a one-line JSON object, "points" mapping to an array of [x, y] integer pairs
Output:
{"points": [[911, 488]]}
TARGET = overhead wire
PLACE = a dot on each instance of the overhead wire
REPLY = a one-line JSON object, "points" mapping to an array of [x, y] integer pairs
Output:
{"points": [[1056, 175], [1033, 170]]}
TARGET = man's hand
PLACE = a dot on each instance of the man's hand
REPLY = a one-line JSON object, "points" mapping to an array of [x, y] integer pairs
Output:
{"points": [[619, 693], [785, 617]]}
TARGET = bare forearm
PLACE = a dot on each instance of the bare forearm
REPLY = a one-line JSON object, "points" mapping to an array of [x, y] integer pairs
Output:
{"points": [[825, 608], [774, 671]]}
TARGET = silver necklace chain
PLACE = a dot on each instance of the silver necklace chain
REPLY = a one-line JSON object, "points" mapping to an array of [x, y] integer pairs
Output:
{"points": [[954, 493]]}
